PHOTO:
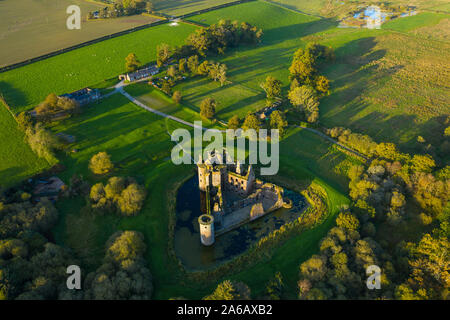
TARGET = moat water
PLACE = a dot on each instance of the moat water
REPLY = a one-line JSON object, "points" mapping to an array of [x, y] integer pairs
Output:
{"points": [[195, 256]]}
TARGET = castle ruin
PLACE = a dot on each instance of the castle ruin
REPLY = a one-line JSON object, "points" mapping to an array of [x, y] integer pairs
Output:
{"points": [[232, 195]]}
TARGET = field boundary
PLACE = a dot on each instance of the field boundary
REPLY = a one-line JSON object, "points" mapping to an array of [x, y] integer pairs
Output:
{"points": [[115, 35]]}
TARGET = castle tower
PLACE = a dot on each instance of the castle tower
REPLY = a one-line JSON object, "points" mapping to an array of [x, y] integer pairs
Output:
{"points": [[203, 177], [239, 169], [206, 223]]}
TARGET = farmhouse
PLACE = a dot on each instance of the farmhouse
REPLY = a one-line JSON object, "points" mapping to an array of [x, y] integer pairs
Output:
{"points": [[140, 74], [233, 196], [84, 96]]}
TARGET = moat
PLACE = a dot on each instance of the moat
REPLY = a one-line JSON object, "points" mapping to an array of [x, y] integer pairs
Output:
{"points": [[194, 255]]}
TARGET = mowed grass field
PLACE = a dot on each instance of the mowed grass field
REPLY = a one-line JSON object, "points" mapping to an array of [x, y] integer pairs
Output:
{"points": [[31, 28], [26, 86], [17, 160]]}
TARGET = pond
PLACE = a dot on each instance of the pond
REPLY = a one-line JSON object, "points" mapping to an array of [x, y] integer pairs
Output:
{"points": [[196, 256]]}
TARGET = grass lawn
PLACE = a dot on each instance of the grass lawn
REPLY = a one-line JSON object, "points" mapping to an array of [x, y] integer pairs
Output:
{"points": [[134, 138], [408, 24], [34, 28], [17, 160], [28, 85], [157, 100]]}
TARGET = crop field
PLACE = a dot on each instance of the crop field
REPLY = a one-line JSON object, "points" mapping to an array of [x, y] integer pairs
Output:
{"points": [[17, 160], [28, 85], [30, 28]]}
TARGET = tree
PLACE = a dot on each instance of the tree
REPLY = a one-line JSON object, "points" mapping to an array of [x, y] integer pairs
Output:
{"points": [[41, 141], [314, 268], [132, 63], [278, 121], [230, 290], [305, 98], [272, 87], [347, 220], [101, 163], [177, 97], [163, 53], [149, 6], [24, 121], [323, 85], [182, 65], [131, 199], [193, 64], [422, 163], [203, 68], [166, 86], [302, 67], [122, 194], [234, 122], [251, 122], [172, 72], [208, 108], [123, 274]]}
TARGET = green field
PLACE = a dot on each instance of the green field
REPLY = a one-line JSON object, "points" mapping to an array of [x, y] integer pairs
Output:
{"points": [[17, 160], [248, 66], [382, 80], [420, 20], [30, 28], [332, 8], [159, 101], [83, 67]]}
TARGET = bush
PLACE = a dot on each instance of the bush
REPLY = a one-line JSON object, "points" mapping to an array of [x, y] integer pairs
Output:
{"points": [[208, 108], [101, 163], [122, 194]]}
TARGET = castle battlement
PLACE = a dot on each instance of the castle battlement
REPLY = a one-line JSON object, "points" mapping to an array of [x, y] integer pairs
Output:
{"points": [[233, 194]]}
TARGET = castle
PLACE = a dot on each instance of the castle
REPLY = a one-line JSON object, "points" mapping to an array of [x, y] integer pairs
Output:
{"points": [[232, 195]]}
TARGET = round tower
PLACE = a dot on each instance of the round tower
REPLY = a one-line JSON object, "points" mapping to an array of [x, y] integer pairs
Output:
{"points": [[206, 223]]}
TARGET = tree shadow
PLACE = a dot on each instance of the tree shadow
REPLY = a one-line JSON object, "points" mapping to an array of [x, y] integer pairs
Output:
{"points": [[12, 94]]}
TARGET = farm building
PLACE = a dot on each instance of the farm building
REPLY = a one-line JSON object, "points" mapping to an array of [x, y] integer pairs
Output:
{"points": [[83, 96], [140, 74]]}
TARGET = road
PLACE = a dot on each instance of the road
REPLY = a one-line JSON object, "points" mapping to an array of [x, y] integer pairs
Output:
{"points": [[120, 89]]}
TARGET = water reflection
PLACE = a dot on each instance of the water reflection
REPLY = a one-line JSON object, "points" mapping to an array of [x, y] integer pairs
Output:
{"points": [[187, 244]]}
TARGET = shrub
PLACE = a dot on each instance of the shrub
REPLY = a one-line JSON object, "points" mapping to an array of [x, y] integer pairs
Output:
{"points": [[101, 163]]}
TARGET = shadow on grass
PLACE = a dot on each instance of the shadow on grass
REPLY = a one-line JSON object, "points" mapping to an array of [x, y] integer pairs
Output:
{"points": [[12, 94]]}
